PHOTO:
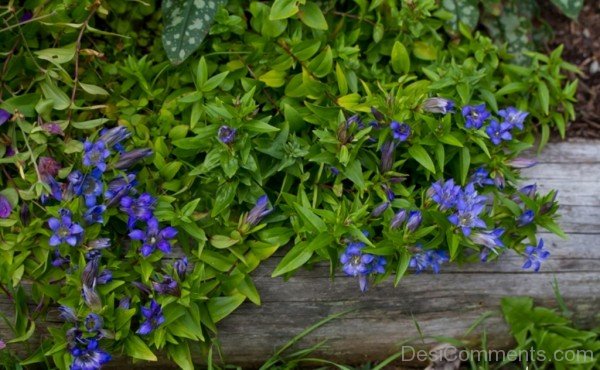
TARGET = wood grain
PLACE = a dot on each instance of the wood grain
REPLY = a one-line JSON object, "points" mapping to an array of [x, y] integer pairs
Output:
{"points": [[445, 304]]}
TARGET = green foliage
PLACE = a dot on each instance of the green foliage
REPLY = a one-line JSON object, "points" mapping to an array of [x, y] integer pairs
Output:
{"points": [[287, 76]]}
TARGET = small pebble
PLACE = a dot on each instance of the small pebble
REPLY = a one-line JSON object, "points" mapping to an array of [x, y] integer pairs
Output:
{"points": [[594, 67], [586, 33]]}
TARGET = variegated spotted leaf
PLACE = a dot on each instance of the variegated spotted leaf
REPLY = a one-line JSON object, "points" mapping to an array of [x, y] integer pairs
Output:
{"points": [[570, 8], [186, 24], [465, 11]]}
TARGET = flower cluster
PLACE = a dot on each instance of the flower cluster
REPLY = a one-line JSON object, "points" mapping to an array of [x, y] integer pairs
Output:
{"points": [[498, 131], [83, 340], [359, 264], [423, 259]]}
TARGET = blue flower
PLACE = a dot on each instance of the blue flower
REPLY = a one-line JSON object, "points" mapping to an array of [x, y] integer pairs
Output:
{"points": [[445, 193], [421, 260], [414, 220], [529, 190], [153, 316], [469, 198], [467, 216], [398, 219], [65, 231], [481, 177], [93, 322], [59, 261], [378, 211], [180, 267], [387, 155], [226, 134], [67, 314], [95, 154], [154, 238], [358, 264], [534, 256], [498, 132], [5, 207], [118, 188], [513, 117], [490, 240], [258, 212], [89, 186], [89, 358], [400, 131], [94, 215], [526, 218], [521, 162], [167, 286], [4, 116], [438, 105], [334, 171], [475, 115], [113, 136], [130, 158], [100, 243], [140, 209]]}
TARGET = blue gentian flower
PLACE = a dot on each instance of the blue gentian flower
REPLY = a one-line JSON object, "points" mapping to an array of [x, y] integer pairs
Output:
{"points": [[4, 116], [414, 220], [65, 231], [104, 277], [469, 197], [124, 303], [467, 217], [438, 105], [389, 193], [498, 132], [226, 134], [526, 218], [481, 177], [52, 128], [475, 115], [258, 212], [67, 314], [59, 261], [400, 131], [490, 240], [421, 260], [114, 136], [5, 207], [100, 243], [168, 285], [529, 190], [377, 114], [94, 215], [521, 162], [387, 155], [93, 322], [95, 154], [180, 267], [378, 211], [154, 238], [128, 159], [118, 188], [535, 256], [139, 209], [334, 171], [513, 117], [358, 264], [89, 358], [48, 168], [153, 318], [91, 297], [398, 219], [445, 193]]}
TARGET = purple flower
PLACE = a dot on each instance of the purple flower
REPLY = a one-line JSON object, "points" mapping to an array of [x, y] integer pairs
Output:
{"points": [[27, 15], [65, 231], [467, 217], [89, 274], [414, 220], [4, 116], [140, 209], [124, 303], [59, 261], [53, 128], [100, 243], [91, 297], [421, 260], [513, 117], [475, 115], [180, 267], [48, 168], [445, 193], [400, 131], [526, 218], [438, 105], [154, 238], [387, 155], [355, 263], [469, 198], [130, 158], [67, 314], [490, 240], [114, 136], [90, 357], [521, 162], [93, 322], [258, 212], [5, 207], [334, 171], [398, 219], [95, 215], [378, 211], [95, 154], [481, 177], [534, 256], [153, 318], [118, 188], [529, 190], [226, 134], [377, 114], [104, 277], [498, 132], [168, 285]]}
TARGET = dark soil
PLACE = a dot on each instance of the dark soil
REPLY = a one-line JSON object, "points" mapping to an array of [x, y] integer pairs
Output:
{"points": [[581, 40]]}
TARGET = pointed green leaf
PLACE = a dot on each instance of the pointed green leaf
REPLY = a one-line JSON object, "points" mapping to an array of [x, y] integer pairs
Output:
{"points": [[420, 155]]}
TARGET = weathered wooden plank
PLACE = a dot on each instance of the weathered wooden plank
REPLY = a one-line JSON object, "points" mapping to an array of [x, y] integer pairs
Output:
{"points": [[444, 304]]}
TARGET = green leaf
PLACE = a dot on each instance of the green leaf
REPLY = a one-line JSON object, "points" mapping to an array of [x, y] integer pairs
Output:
{"points": [[57, 56], [512, 88], [400, 58], [310, 218], [420, 155], [424, 51], [93, 89], [220, 307], [222, 241], [59, 98], [322, 64], [301, 253], [283, 9], [570, 8], [354, 173], [465, 162], [225, 196], [402, 266], [86, 125], [310, 14], [180, 353], [273, 78], [186, 23], [136, 348], [544, 97]]}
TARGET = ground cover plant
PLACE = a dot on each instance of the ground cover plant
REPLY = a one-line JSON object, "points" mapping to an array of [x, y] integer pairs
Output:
{"points": [[139, 194]]}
